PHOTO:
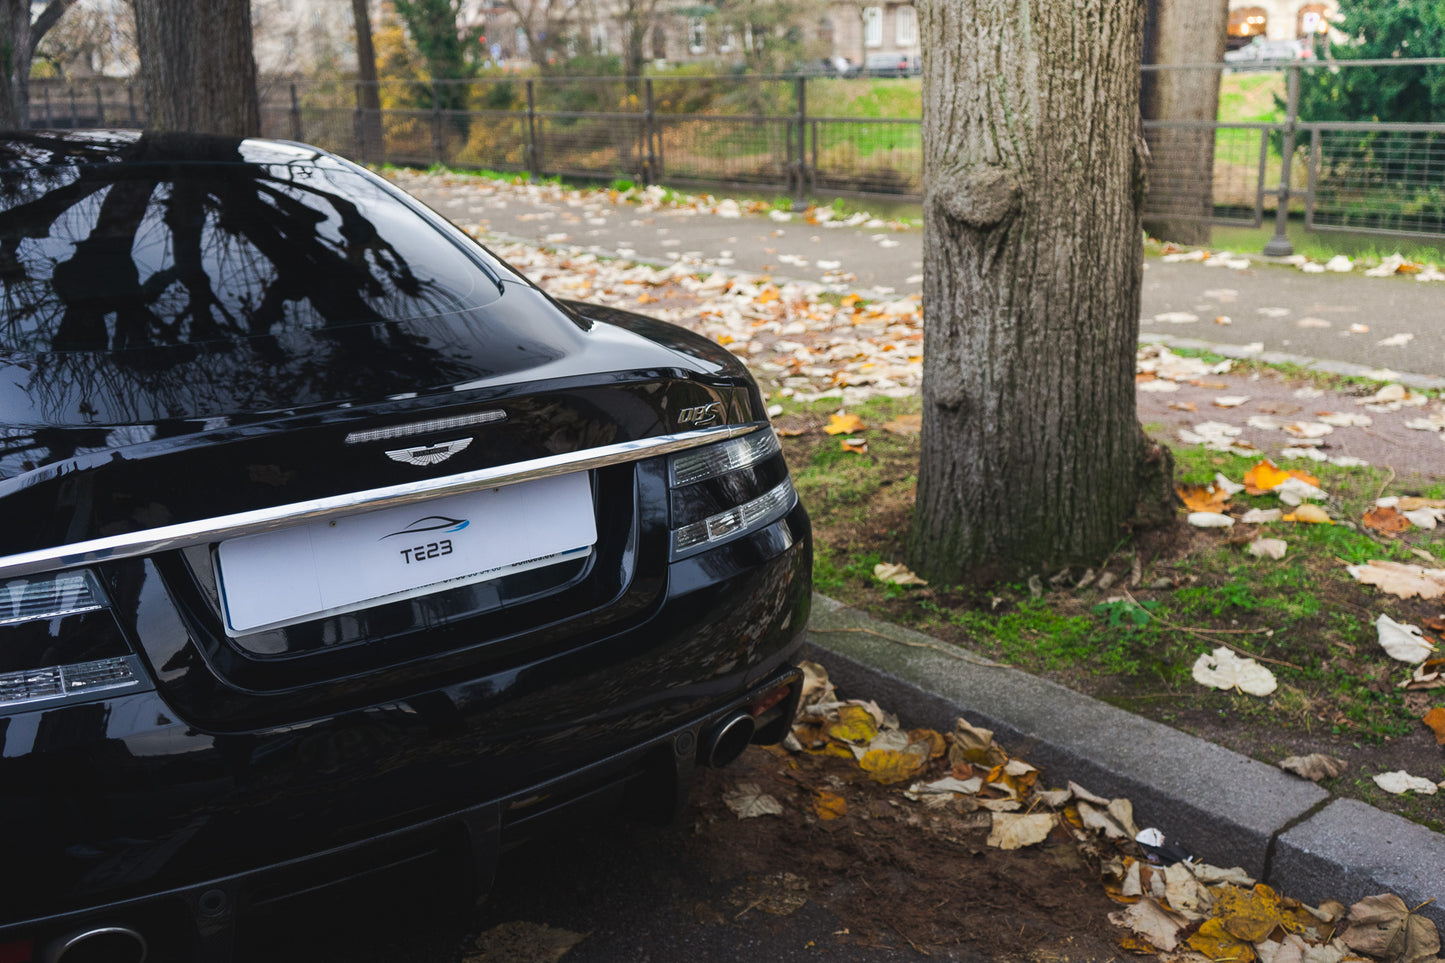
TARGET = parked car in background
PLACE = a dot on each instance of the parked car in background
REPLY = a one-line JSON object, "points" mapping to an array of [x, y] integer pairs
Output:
{"points": [[835, 66], [330, 542], [1260, 52], [893, 65]]}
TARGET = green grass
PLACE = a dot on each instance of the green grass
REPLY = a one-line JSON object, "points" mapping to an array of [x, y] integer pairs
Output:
{"points": [[1250, 97], [1286, 610]]}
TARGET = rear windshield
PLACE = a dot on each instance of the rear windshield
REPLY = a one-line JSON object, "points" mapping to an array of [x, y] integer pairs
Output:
{"points": [[127, 256]]}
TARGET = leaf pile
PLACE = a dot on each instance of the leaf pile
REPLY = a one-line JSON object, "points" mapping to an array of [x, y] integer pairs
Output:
{"points": [[1190, 911]]}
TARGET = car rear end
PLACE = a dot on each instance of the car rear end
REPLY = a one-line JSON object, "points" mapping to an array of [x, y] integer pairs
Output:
{"points": [[402, 592]]}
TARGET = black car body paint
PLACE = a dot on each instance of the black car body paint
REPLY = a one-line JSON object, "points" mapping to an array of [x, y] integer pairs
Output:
{"points": [[197, 328]]}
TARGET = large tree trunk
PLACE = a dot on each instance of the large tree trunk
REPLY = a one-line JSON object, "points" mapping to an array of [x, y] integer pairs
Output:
{"points": [[1032, 451], [1181, 177], [197, 66]]}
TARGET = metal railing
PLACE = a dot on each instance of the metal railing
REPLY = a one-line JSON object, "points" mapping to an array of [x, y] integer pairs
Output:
{"points": [[758, 133]]}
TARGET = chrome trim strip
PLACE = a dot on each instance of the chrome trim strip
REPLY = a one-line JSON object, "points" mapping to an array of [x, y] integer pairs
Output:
{"points": [[201, 532]]}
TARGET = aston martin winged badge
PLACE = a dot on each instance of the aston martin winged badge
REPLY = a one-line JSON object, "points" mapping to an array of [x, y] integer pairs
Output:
{"points": [[429, 454]]}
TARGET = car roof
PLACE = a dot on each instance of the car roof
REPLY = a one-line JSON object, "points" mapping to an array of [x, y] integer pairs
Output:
{"points": [[37, 149]]}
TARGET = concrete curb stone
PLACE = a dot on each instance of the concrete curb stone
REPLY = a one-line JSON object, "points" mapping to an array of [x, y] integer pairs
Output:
{"points": [[1219, 805], [1349, 850]]}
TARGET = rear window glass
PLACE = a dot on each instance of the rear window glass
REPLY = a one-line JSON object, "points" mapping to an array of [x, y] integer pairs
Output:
{"points": [[120, 257]]}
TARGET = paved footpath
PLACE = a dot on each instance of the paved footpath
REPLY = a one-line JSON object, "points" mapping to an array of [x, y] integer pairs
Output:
{"points": [[1273, 309]]}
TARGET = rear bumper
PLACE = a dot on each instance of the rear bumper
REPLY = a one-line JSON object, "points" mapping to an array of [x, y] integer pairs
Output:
{"points": [[200, 921], [125, 814]]}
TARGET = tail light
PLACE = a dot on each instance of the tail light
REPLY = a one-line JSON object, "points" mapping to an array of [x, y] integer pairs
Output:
{"points": [[727, 490], [59, 640]]}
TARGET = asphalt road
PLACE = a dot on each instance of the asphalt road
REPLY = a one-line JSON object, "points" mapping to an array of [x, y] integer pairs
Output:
{"points": [[1265, 303]]}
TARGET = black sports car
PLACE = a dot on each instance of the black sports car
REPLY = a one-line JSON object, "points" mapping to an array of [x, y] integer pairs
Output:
{"points": [[328, 540]]}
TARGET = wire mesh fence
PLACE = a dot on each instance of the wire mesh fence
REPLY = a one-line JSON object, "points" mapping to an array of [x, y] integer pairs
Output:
{"points": [[1374, 178], [759, 132]]}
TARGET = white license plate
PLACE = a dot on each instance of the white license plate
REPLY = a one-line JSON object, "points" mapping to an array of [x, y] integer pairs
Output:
{"points": [[343, 564]]}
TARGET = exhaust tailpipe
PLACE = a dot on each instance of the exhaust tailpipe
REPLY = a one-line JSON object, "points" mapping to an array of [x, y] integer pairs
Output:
{"points": [[726, 741], [101, 944]]}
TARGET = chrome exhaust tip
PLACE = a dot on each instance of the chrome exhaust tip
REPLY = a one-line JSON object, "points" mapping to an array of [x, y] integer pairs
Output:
{"points": [[727, 740], [100, 944]]}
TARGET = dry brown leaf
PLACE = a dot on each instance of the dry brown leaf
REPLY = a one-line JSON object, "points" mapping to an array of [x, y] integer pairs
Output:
{"points": [[932, 739], [1435, 719], [1386, 520], [1203, 498], [905, 425], [1314, 767], [521, 940], [1225, 669], [1385, 928], [970, 744], [896, 574], [1400, 782], [829, 805], [1399, 578], [1015, 831], [1409, 503], [1153, 922], [817, 687], [1116, 821], [749, 801], [1184, 406], [843, 424], [1429, 674]]}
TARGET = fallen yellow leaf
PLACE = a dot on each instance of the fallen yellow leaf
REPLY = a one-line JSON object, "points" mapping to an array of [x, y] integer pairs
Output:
{"points": [[858, 446], [855, 724], [1265, 476], [1248, 914], [844, 424], [829, 805], [1203, 498], [1215, 942], [889, 766], [1313, 514]]}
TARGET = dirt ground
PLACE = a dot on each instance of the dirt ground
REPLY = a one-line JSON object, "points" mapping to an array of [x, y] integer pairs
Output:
{"points": [[899, 875], [888, 880]]}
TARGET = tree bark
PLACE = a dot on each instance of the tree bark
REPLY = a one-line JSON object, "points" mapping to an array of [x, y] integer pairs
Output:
{"points": [[1181, 177], [197, 68], [1033, 163], [18, 39], [369, 91]]}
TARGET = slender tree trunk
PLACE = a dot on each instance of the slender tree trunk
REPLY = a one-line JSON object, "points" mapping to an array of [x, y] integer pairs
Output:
{"points": [[370, 91], [14, 63], [1181, 174], [19, 36], [197, 67], [1032, 451]]}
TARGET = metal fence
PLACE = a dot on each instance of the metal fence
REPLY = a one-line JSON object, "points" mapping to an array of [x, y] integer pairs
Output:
{"points": [[759, 133]]}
